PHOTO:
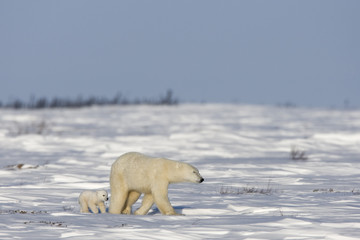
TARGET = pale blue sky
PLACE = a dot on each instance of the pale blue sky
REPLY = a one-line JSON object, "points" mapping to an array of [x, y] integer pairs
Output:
{"points": [[262, 52]]}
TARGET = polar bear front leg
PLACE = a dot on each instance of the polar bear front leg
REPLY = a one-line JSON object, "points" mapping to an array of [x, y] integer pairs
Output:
{"points": [[132, 198], [102, 207], [146, 204], [162, 201], [93, 208]]}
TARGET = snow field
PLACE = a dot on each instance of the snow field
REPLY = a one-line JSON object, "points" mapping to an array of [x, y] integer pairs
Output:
{"points": [[252, 189]]}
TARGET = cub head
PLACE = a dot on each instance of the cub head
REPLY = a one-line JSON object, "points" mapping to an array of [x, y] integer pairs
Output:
{"points": [[102, 195], [191, 174]]}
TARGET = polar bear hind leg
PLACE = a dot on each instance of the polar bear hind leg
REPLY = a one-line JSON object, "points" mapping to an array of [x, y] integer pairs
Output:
{"points": [[132, 198], [117, 202], [84, 207], [119, 194]]}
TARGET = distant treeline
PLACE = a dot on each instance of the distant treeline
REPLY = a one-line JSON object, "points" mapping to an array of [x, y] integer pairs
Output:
{"points": [[118, 99]]}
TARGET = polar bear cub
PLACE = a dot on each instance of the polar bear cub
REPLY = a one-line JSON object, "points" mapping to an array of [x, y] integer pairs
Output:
{"points": [[93, 200], [134, 173]]}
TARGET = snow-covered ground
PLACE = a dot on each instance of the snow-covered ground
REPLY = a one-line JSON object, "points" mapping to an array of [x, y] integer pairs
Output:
{"points": [[252, 189]]}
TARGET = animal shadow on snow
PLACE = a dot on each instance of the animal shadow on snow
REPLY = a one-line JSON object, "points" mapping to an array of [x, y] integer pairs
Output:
{"points": [[178, 209], [107, 210], [155, 211]]}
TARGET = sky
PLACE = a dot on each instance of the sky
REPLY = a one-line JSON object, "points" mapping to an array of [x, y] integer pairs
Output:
{"points": [[258, 52]]}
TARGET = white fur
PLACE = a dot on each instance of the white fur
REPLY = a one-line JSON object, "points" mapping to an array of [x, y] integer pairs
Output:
{"points": [[93, 200], [134, 173]]}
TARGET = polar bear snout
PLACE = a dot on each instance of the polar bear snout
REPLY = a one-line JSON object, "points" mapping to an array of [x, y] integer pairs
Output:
{"points": [[198, 177]]}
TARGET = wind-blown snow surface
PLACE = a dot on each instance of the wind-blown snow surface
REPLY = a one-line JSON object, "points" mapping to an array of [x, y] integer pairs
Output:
{"points": [[252, 189]]}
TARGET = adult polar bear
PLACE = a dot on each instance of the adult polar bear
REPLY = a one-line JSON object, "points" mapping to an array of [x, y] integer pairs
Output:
{"points": [[134, 173]]}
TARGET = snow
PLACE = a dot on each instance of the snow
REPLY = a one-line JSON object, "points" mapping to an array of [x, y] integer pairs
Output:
{"points": [[252, 189]]}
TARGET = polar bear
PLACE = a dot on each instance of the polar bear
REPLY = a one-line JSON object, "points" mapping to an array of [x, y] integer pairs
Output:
{"points": [[92, 200], [134, 173]]}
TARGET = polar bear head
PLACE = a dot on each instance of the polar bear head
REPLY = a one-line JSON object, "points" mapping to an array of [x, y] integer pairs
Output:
{"points": [[102, 195], [188, 173]]}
